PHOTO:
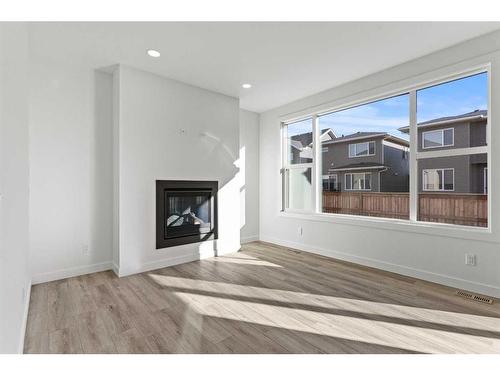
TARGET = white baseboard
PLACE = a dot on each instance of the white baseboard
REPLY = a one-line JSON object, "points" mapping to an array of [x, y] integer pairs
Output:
{"points": [[115, 268], [153, 265], [172, 261], [27, 298], [126, 271], [454, 282], [249, 239], [70, 272]]}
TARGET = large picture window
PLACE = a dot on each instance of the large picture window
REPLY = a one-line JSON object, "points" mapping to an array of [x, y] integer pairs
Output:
{"points": [[418, 156], [370, 157]]}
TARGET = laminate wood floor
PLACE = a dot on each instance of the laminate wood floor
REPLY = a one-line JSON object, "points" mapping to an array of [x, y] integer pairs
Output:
{"points": [[263, 299]]}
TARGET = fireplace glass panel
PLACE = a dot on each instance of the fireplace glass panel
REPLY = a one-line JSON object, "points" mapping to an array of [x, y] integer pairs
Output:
{"points": [[187, 213]]}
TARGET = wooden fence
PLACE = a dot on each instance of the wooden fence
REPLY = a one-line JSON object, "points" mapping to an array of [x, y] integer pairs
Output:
{"points": [[460, 209]]}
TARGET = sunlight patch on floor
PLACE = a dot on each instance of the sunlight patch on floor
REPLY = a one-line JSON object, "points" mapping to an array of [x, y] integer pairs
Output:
{"points": [[331, 302], [242, 261], [346, 327]]}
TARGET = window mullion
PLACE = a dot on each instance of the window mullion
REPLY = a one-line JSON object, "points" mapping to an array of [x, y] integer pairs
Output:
{"points": [[316, 171], [413, 157], [284, 166]]}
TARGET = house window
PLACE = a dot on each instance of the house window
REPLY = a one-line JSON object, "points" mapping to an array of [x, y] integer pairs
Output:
{"points": [[438, 179], [442, 131], [330, 183], [357, 150], [358, 181], [438, 138]]}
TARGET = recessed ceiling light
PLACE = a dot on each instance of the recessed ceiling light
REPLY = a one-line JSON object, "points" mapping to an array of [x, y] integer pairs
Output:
{"points": [[153, 53], [246, 85]]}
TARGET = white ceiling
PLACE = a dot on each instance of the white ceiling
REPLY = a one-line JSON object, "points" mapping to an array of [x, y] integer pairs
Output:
{"points": [[283, 61]]}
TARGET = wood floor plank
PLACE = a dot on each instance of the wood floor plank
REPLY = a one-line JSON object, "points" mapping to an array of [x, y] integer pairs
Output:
{"points": [[60, 307], [115, 319], [262, 299], [160, 344], [94, 336], [131, 341], [65, 340], [80, 295]]}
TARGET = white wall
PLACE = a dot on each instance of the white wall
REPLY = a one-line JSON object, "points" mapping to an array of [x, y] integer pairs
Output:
{"points": [[75, 179], [429, 253], [170, 130], [249, 174], [71, 176], [14, 175]]}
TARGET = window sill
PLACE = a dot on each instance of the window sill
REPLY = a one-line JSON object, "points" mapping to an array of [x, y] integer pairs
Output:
{"points": [[434, 229]]}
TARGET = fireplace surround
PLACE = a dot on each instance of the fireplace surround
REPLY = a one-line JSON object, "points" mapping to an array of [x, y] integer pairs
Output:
{"points": [[186, 212]]}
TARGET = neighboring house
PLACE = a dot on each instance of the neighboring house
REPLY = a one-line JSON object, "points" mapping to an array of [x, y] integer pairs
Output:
{"points": [[459, 174], [366, 161]]}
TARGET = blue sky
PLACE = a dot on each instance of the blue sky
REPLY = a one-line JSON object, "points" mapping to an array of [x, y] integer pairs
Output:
{"points": [[448, 99]]}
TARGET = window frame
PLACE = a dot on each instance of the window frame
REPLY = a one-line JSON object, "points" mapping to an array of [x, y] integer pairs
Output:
{"points": [[409, 86], [485, 180], [361, 143], [442, 138], [442, 171], [364, 181]]}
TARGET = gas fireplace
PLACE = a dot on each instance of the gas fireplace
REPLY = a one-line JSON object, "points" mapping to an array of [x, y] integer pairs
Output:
{"points": [[186, 212]]}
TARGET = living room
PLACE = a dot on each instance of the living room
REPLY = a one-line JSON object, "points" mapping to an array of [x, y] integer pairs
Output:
{"points": [[249, 187]]}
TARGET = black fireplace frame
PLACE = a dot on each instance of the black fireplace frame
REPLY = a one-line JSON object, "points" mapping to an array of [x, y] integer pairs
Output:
{"points": [[183, 185]]}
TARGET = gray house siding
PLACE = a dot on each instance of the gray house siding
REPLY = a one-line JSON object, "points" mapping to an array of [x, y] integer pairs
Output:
{"points": [[374, 180], [469, 169], [460, 164], [478, 134], [461, 136], [477, 178], [396, 177], [465, 135], [469, 176], [338, 155]]}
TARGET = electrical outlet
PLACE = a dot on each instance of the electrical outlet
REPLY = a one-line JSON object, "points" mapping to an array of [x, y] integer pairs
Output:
{"points": [[300, 231], [85, 250], [470, 259]]}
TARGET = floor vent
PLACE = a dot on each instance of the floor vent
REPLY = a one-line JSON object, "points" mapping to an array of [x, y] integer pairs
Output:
{"points": [[474, 297]]}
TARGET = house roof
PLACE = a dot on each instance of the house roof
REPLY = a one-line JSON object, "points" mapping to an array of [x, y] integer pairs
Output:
{"points": [[359, 135], [464, 117], [358, 166], [368, 135]]}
